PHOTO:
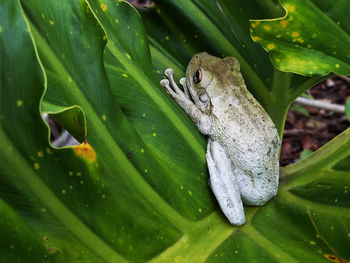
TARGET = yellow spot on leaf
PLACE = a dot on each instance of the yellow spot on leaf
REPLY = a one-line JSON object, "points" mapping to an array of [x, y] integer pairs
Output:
{"points": [[267, 27], [103, 7], [255, 24], [69, 79], [85, 151], [337, 65], [292, 8], [51, 22], [79, 174], [124, 75], [117, 21], [142, 150], [146, 171], [335, 258], [271, 46], [200, 210], [256, 38], [309, 46], [154, 134], [190, 192], [104, 37], [167, 38], [312, 242], [283, 23], [277, 60], [63, 191], [104, 117], [36, 166], [300, 40], [295, 34], [40, 154], [127, 56], [19, 103]]}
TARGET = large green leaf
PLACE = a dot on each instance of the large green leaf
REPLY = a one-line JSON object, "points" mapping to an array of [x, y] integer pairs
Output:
{"points": [[122, 201], [312, 37]]}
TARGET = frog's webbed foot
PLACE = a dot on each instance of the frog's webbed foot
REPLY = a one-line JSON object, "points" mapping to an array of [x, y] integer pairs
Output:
{"points": [[172, 88], [224, 184], [182, 98]]}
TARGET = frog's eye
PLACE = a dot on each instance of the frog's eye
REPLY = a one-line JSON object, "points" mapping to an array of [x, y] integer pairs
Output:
{"points": [[197, 77], [203, 97]]}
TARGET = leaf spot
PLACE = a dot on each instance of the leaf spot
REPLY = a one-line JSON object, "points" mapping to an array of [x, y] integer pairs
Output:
{"points": [[104, 117], [117, 21], [256, 38], [283, 23], [337, 65], [51, 22], [167, 38], [312, 242], [19, 103], [142, 150], [104, 37], [63, 191], [85, 151], [267, 27], [154, 134], [146, 171], [295, 34], [292, 8], [277, 60], [40, 154], [254, 25], [103, 7], [271, 46], [124, 75], [70, 80], [190, 192], [127, 56], [36, 166]]}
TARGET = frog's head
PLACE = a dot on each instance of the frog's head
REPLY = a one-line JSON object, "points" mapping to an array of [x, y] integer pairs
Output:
{"points": [[206, 76]]}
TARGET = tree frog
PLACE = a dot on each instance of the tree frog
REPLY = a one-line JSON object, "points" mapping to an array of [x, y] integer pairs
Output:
{"points": [[243, 143]]}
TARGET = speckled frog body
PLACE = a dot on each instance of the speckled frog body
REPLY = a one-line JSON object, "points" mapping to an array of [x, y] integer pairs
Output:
{"points": [[243, 143]]}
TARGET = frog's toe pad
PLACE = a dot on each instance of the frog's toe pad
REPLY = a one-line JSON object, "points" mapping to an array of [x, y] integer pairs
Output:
{"points": [[169, 72], [164, 82]]}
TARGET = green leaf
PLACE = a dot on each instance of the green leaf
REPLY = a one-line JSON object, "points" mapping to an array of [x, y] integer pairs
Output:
{"points": [[347, 108], [305, 153], [296, 44]]}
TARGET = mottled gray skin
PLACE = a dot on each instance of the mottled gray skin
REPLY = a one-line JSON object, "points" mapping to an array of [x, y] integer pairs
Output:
{"points": [[243, 145]]}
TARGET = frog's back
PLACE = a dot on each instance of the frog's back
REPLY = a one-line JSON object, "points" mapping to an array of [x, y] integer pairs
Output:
{"points": [[245, 129]]}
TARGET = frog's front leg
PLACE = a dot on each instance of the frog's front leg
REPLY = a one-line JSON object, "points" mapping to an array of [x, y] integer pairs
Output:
{"points": [[201, 120], [223, 182]]}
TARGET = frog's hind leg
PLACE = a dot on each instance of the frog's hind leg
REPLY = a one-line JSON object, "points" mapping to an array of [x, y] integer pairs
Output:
{"points": [[223, 183]]}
